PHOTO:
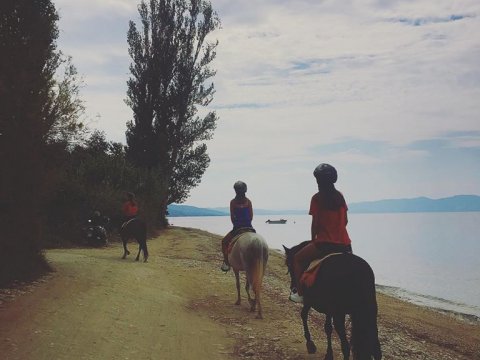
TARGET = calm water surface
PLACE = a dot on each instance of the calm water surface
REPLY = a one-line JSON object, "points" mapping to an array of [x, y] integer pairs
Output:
{"points": [[431, 259]]}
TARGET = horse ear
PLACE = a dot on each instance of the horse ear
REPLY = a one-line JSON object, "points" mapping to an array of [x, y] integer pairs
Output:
{"points": [[286, 249]]}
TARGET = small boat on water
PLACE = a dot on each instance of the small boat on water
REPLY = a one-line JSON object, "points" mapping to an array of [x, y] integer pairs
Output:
{"points": [[281, 221]]}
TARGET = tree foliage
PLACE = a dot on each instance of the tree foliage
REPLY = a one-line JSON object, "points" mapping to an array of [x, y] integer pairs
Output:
{"points": [[171, 59], [36, 109], [94, 176]]}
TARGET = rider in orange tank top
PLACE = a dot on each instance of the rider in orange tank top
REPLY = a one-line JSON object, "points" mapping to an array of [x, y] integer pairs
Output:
{"points": [[329, 225]]}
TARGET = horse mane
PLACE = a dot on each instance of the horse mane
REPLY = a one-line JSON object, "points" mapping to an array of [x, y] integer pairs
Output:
{"points": [[299, 247], [293, 250]]}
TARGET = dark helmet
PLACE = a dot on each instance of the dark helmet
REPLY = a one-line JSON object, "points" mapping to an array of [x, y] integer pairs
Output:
{"points": [[325, 173], [240, 186]]}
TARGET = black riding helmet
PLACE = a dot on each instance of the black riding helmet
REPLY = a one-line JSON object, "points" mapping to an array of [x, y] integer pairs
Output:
{"points": [[325, 173], [240, 187]]}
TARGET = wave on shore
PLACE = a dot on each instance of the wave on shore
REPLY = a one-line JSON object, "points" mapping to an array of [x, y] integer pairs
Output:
{"points": [[468, 313]]}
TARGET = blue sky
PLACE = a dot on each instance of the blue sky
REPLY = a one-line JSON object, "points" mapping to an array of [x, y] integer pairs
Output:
{"points": [[386, 91]]}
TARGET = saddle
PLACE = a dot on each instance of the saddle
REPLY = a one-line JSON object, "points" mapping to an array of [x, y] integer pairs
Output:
{"points": [[308, 277]]}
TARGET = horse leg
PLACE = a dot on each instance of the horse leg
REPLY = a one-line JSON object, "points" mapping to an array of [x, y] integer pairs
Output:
{"points": [[251, 301], [125, 251], [139, 250], [328, 330], [145, 251], [237, 280], [339, 323], [377, 355], [257, 302], [311, 348]]}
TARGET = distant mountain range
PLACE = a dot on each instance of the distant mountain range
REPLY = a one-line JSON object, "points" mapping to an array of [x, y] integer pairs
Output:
{"points": [[185, 210], [458, 203]]}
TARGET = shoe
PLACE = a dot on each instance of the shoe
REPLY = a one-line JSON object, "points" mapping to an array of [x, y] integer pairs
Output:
{"points": [[225, 267], [296, 298]]}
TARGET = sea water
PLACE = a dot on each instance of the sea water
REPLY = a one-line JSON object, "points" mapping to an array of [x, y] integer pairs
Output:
{"points": [[431, 259]]}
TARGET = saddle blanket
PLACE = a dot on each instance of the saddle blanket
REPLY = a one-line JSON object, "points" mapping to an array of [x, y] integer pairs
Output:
{"points": [[308, 277]]}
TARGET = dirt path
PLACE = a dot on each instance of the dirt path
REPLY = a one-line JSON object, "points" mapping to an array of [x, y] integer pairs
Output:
{"points": [[180, 306]]}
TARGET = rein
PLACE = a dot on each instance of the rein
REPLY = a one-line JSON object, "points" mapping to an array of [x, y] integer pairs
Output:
{"points": [[128, 222]]}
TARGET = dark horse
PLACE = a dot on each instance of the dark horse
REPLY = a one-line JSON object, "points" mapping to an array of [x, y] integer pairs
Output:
{"points": [[135, 229], [345, 285]]}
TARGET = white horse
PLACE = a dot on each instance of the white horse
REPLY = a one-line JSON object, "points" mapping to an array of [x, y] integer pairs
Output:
{"points": [[249, 253]]}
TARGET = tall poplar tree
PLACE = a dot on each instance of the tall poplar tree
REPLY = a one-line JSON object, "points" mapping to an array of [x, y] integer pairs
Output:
{"points": [[171, 59]]}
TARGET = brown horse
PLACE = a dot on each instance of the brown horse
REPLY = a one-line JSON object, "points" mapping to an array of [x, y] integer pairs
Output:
{"points": [[250, 254], [135, 229]]}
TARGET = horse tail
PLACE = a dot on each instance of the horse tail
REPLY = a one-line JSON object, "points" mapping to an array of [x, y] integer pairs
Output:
{"points": [[365, 343], [260, 266], [257, 275]]}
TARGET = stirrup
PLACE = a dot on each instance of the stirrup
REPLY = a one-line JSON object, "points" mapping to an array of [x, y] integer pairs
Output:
{"points": [[296, 298], [225, 267]]}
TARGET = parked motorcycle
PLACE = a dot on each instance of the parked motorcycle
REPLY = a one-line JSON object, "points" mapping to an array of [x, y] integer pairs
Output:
{"points": [[95, 233]]}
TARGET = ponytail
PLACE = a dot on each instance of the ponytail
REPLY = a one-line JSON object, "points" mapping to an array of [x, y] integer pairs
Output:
{"points": [[331, 198]]}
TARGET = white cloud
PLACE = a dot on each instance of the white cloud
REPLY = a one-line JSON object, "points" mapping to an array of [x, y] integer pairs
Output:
{"points": [[292, 75], [84, 10]]}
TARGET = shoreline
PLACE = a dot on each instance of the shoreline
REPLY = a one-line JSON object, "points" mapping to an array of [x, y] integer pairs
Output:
{"points": [[401, 294], [406, 330], [180, 300], [417, 283], [421, 300], [428, 302]]}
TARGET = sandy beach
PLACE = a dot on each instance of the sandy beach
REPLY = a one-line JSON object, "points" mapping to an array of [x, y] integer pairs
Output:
{"points": [[179, 305]]}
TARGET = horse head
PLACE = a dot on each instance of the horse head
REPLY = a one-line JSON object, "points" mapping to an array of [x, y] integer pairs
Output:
{"points": [[289, 262], [289, 255]]}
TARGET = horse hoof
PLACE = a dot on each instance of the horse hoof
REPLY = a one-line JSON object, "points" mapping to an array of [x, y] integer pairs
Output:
{"points": [[136, 259], [311, 348], [237, 302], [259, 316]]}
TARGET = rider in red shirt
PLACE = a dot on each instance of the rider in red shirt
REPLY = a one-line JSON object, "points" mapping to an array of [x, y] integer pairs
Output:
{"points": [[329, 225], [130, 207]]}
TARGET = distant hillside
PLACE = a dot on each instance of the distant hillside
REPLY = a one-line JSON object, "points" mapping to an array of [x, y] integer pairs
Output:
{"points": [[185, 210], [458, 203], [226, 210]]}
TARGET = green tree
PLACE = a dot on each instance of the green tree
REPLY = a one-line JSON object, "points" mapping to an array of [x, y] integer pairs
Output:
{"points": [[33, 113], [171, 59], [65, 108]]}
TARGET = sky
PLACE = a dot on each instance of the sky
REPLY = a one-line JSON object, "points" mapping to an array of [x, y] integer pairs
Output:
{"points": [[387, 91]]}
